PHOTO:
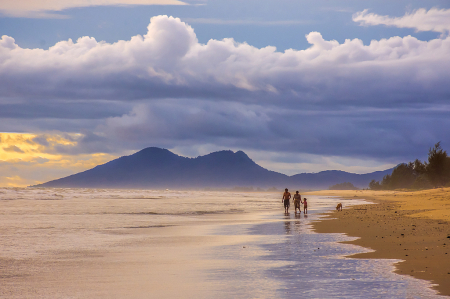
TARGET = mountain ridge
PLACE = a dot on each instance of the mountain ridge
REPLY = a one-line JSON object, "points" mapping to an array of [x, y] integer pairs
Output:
{"points": [[157, 168]]}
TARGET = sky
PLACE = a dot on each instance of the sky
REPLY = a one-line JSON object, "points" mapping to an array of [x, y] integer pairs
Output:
{"points": [[300, 86]]}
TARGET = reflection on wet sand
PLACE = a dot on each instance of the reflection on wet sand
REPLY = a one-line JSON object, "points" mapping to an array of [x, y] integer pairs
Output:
{"points": [[287, 227], [127, 244]]}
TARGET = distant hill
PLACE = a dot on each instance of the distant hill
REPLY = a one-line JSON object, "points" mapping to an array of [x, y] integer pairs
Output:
{"points": [[156, 168], [324, 179]]}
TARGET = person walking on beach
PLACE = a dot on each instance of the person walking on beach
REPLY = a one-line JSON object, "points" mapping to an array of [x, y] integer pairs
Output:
{"points": [[286, 198], [297, 200], [305, 206]]}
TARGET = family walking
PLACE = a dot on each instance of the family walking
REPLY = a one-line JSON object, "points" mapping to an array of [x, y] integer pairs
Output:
{"points": [[297, 200]]}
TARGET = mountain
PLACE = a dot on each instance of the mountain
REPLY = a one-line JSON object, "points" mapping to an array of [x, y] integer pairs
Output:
{"points": [[156, 168], [325, 179]]}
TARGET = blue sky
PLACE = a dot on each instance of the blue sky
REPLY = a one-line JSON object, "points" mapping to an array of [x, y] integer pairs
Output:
{"points": [[282, 24], [301, 86]]}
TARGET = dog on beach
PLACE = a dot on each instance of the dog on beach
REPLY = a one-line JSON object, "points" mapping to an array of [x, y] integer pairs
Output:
{"points": [[339, 207]]}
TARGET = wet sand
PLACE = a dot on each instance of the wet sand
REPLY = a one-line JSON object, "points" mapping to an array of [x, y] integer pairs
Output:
{"points": [[160, 262], [410, 226], [94, 243], [87, 243]]}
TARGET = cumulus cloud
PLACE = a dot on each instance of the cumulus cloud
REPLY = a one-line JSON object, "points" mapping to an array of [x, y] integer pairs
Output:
{"points": [[389, 135], [346, 99], [170, 62], [437, 20], [46, 9]]}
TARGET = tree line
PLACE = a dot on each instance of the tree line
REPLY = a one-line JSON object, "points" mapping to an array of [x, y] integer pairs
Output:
{"points": [[418, 175]]}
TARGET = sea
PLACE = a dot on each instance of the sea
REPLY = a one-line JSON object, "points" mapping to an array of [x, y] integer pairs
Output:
{"points": [[112, 243]]}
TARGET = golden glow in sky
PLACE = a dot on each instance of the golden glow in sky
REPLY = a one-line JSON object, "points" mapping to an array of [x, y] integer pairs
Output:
{"points": [[29, 159]]}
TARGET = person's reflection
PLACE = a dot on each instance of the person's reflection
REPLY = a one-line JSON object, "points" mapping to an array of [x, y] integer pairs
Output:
{"points": [[297, 224], [287, 225]]}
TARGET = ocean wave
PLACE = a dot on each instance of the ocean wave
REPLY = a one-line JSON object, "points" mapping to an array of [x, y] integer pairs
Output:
{"points": [[188, 213], [148, 226]]}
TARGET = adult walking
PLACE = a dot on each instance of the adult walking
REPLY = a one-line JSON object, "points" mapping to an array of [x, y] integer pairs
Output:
{"points": [[286, 198], [297, 200]]}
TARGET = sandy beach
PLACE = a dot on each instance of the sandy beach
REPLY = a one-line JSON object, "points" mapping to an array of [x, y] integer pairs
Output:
{"points": [[409, 226], [94, 243], [99, 243]]}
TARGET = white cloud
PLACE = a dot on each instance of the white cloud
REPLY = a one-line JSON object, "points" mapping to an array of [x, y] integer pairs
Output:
{"points": [[437, 20], [332, 99], [46, 9], [170, 62]]}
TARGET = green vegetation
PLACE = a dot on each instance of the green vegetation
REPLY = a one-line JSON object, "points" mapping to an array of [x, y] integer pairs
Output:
{"points": [[343, 186], [418, 175]]}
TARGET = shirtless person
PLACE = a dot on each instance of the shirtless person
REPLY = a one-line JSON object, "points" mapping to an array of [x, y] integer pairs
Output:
{"points": [[297, 199], [286, 198]]}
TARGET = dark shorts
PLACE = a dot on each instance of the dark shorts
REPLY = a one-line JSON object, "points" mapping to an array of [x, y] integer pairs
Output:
{"points": [[286, 203]]}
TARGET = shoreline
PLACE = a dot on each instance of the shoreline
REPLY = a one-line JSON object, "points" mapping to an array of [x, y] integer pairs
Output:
{"points": [[411, 226]]}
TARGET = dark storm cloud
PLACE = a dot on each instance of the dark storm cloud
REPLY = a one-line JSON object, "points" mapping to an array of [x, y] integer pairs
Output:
{"points": [[364, 133], [62, 109], [84, 146], [387, 100]]}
